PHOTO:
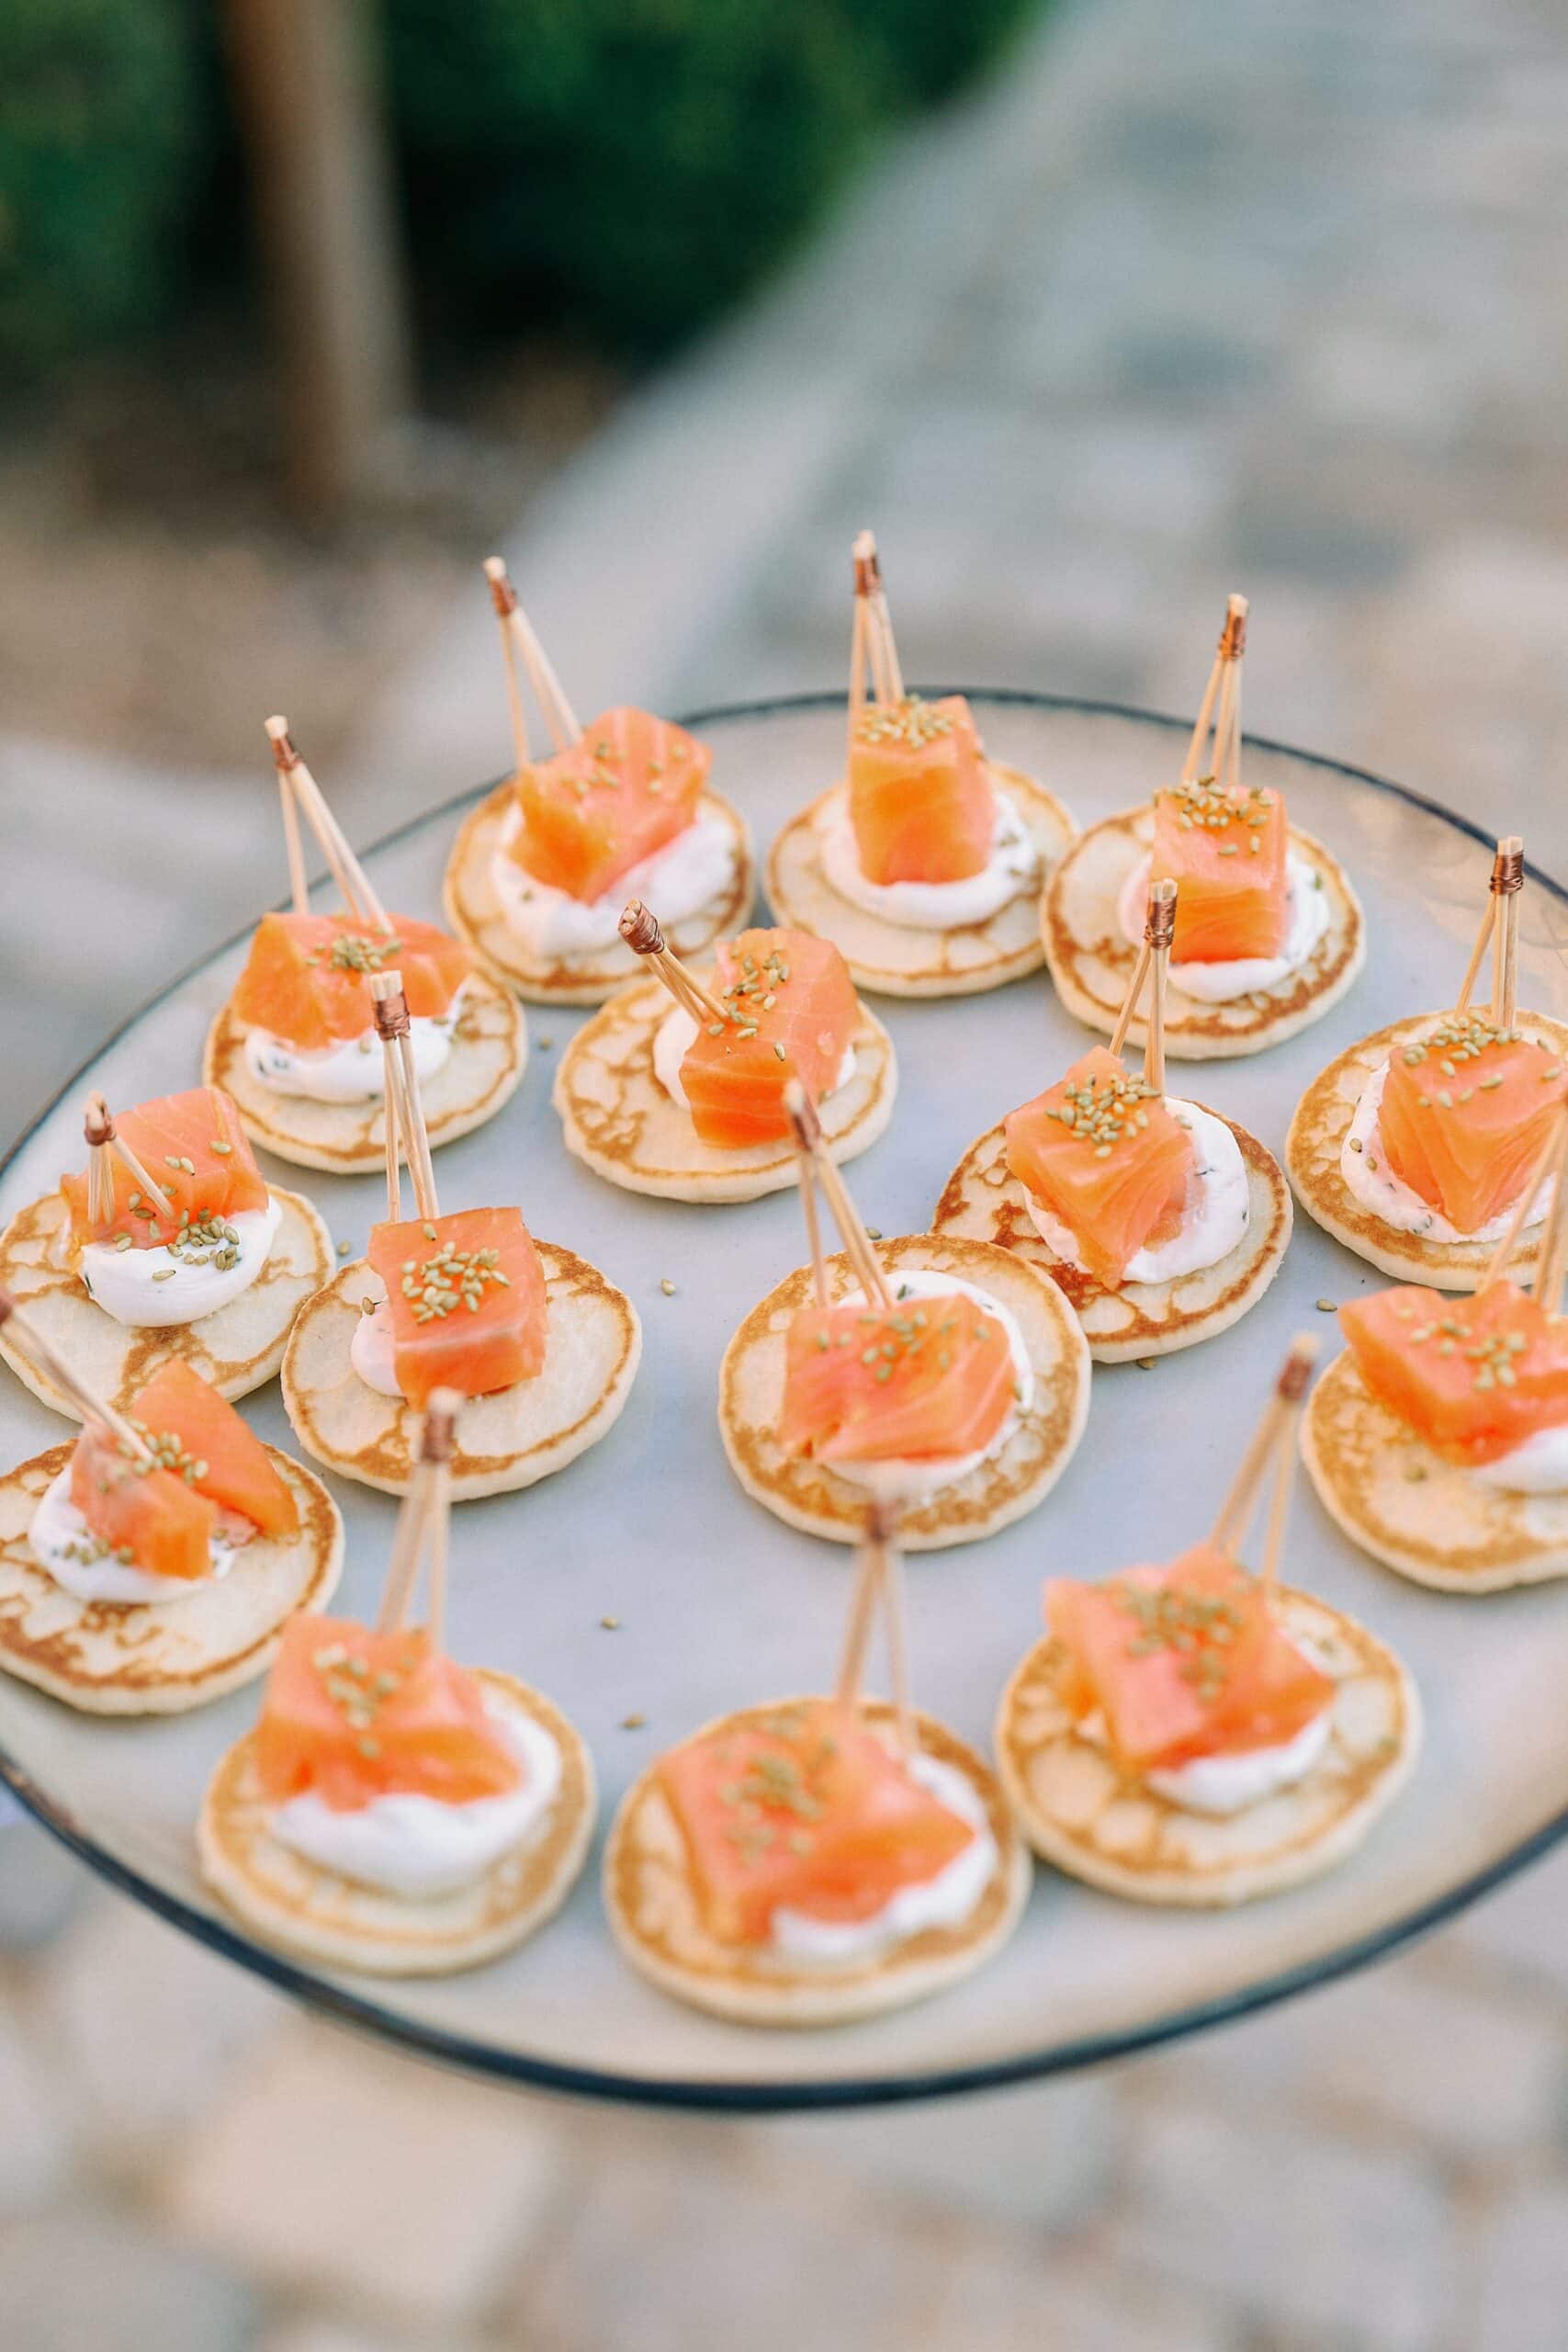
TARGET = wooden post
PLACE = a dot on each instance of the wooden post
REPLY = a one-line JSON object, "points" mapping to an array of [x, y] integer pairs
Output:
{"points": [[307, 73]]}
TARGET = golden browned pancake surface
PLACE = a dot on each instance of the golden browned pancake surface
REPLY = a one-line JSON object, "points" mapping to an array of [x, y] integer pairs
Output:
{"points": [[316, 1915], [1315, 1143], [1091, 958], [656, 1921], [109, 1657], [236, 1348], [811, 1496], [984, 1200], [1080, 1811], [483, 1069], [475, 911], [506, 1441], [895, 959], [618, 1119], [1433, 1520]]}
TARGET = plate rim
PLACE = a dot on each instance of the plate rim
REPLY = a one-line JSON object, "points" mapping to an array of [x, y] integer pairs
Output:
{"points": [[805, 2093]]}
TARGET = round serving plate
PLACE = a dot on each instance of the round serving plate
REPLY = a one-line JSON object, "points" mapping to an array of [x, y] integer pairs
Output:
{"points": [[717, 1604]]}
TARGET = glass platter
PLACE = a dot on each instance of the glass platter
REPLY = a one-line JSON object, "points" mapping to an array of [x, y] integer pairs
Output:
{"points": [[720, 1604]]}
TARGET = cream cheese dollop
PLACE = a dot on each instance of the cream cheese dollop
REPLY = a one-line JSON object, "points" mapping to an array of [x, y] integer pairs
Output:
{"points": [[65, 1547], [152, 1290], [945, 1900], [1306, 920], [903, 1479], [352, 1070], [1213, 1220], [417, 1847], [1536, 1465], [1013, 866], [679, 880], [1222, 1785], [673, 1040], [371, 1351], [1363, 1163]]}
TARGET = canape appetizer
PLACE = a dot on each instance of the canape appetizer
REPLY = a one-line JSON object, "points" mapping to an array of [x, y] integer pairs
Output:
{"points": [[1191, 1734], [295, 1044], [152, 1563], [1414, 1146], [930, 1370], [1439, 1439], [820, 1858], [676, 1087], [545, 1349], [393, 1811], [541, 869], [1269, 932], [926, 862], [172, 1244], [1160, 1221]]}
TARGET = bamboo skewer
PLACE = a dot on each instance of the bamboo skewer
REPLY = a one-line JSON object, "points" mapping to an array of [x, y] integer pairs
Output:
{"points": [[354, 885], [423, 1524], [640, 928], [1507, 881], [391, 1009], [806, 1176], [873, 630], [878, 1579], [502, 598], [46, 1356], [1284, 1484], [102, 1139], [806, 1127], [1551, 1250], [1129, 1002], [1295, 1373], [1159, 929], [1553, 1151], [299, 881], [549, 692], [1225, 683], [385, 1013]]}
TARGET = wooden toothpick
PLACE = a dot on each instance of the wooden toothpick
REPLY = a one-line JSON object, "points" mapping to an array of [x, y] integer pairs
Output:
{"points": [[104, 1137], [1488, 920], [1225, 683], [1295, 1375], [873, 631], [807, 1129], [1507, 881], [878, 1579], [46, 1357], [423, 1523], [295, 782], [549, 692], [1553, 1152], [639, 927], [1159, 929], [403, 1104]]}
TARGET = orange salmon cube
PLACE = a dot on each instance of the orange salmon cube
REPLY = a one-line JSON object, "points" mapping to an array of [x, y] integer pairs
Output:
{"points": [[1475, 1376], [153, 1518], [932, 1378], [1226, 850], [350, 1715], [467, 1298], [792, 1013], [1103, 1155], [195, 1152], [920, 797], [591, 813], [1465, 1114], [183, 1418], [308, 980], [805, 1810], [1182, 1661]]}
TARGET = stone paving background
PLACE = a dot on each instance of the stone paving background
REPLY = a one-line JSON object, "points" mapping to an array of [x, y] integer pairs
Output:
{"points": [[1203, 293]]}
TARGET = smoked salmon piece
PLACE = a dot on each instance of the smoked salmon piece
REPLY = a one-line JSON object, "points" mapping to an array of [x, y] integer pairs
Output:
{"points": [[154, 1518], [1103, 1155], [1473, 1376], [1226, 850], [466, 1298], [193, 1147], [792, 1011], [591, 813], [920, 797], [929, 1379], [307, 980], [200, 1436], [351, 1715], [1465, 1114], [804, 1811], [1182, 1661]]}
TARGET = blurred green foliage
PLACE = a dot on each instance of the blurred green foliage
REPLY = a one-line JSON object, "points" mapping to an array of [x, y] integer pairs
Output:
{"points": [[100, 135]]}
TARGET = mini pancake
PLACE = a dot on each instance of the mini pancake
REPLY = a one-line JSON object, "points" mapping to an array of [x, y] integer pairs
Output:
{"points": [[986, 1201], [505, 1440], [654, 1916], [162, 1657], [1316, 1139], [1396, 1497], [319, 1916], [489, 1054], [893, 959], [1091, 960], [237, 1347], [619, 1120], [1079, 1812], [476, 914], [811, 1495]]}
